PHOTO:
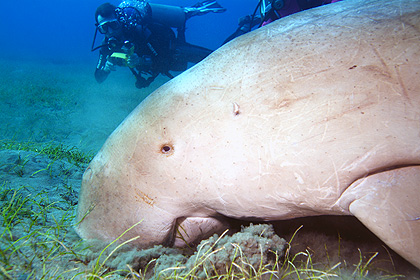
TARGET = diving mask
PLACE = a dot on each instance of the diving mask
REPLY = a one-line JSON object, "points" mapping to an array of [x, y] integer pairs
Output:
{"points": [[105, 26]]}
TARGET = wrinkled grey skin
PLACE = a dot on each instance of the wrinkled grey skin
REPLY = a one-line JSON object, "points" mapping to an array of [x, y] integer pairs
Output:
{"points": [[317, 113]]}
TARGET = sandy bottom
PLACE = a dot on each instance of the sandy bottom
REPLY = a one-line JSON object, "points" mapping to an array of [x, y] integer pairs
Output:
{"points": [[61, 105], [63, 102]]}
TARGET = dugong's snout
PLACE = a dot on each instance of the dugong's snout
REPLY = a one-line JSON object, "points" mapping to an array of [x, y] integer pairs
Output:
{"points": [[109, 206]]}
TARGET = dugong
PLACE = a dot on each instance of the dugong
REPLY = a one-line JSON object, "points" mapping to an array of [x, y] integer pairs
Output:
{"points": [[315, 114]]}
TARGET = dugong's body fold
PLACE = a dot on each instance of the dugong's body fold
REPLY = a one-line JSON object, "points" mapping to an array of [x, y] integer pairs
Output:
{"points": [[317, 113]]}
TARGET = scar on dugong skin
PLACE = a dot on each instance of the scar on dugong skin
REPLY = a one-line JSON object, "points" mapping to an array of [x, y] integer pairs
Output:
{"points": [[326, 121], [236, 109]]}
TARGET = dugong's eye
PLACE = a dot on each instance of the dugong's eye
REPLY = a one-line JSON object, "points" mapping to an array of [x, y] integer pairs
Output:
{"points": [[167, 149]]}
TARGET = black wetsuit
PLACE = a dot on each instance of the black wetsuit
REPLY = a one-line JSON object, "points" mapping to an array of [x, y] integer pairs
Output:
{"points": [[159, 50]]}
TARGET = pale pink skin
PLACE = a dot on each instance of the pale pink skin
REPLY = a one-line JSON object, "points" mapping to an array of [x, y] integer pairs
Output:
{"points": [[315, 114]]}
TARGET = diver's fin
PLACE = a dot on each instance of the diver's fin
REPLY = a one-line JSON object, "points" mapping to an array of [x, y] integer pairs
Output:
{"points": [[388, 203], [203, 8], [210, 6]]}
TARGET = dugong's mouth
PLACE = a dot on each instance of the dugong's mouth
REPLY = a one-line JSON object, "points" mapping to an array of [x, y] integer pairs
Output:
{"points": [[191, 230]]}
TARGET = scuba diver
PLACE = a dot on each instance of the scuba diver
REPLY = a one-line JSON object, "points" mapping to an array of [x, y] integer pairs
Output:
{"points": [[139, 35], [271, 10]]}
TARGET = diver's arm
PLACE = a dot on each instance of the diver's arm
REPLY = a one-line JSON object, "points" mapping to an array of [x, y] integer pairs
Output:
{"points": [[103, 68]]}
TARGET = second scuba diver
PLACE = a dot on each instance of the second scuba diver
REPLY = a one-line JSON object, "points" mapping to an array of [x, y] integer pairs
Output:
{"points": [[271, 10], [139, 35]]}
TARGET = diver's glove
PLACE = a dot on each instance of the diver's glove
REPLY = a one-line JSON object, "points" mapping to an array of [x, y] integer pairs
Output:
{"points": [[133, 60], [145, 61], [109, 66], [204, 7]]}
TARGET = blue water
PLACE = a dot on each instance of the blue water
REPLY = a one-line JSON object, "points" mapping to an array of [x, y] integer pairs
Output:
{"points": [[63, 30], [47, 87]]}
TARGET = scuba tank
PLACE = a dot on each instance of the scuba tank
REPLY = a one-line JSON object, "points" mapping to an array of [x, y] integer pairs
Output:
{"points": [[172, 16], [135, 12]]}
